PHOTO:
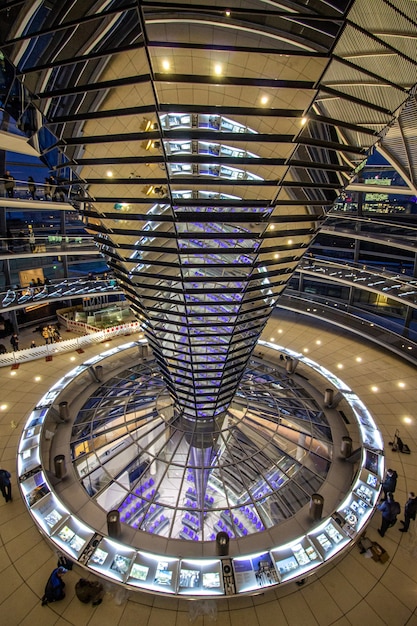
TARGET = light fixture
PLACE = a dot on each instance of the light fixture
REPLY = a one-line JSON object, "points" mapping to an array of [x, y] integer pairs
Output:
{"points": [[358, 359], [218, 69], [37, 378], [303, 121], [227, 13], [109, 174], [72, 358], [339, 366], [3, 407], [374, 388], [276, 256], [318, 342], [264, 100], [407, 420], [289, 242], [166, 65]]}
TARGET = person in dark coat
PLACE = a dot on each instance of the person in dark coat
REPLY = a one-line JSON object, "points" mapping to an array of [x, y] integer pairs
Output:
{"points": [[5, 485], [14, 340], [390, 483], [9, 184], [54, 588], [410, 511], [89, 591], [389, 509], [32, 188]]}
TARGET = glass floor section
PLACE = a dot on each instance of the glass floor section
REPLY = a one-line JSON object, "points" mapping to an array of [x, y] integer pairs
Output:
{"points": [[249, 470]]}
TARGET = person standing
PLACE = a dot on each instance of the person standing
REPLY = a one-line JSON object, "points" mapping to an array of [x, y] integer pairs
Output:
{"points": [[54, 589], [32, 240], [32, 188], [5, 485], [45, 334], [410, 511], [390, 483], [9, 184], [14, 340], [389, 509]]}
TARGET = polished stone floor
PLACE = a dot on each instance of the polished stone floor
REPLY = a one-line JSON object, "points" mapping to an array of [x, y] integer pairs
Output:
{"points": [[354, 590]]}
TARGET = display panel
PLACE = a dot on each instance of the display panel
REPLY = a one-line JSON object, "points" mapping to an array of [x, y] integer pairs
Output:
{"points": [[329, 538], [73, 536], [50, 513], [153, 572], [200, 577], [355, 512], [112, 559], [254, 572], [35, 488], [296, 558]]}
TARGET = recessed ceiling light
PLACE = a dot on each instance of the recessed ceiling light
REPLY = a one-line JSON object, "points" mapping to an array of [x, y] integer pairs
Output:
{"points": [[303, 121], [264, 99], [166, 65], [374, 388], [227, 13], [272, 339], [37, 378], [358, 359], [72, 358], [13, 373], [289, 242], [276, 256], [109, 173], [407, 420], [318, 342], [339, 366], [218, 69], [280, 331], [3, 407], [401, 384], [305, 350]]}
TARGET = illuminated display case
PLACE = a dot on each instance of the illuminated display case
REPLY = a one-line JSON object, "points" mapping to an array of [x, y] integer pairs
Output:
{"points": [[50, 513], [329, 538], [153, 572], [296, 558], [35, 488], [200, 577], [254, 571], [112, 559], [73, 536]]}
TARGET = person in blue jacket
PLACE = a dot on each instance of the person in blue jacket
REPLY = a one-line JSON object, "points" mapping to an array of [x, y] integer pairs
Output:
{"points": [[54, 589], [389, 509]]}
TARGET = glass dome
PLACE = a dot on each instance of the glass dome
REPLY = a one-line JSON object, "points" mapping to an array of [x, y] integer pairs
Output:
{"points": [[249, 470]]}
